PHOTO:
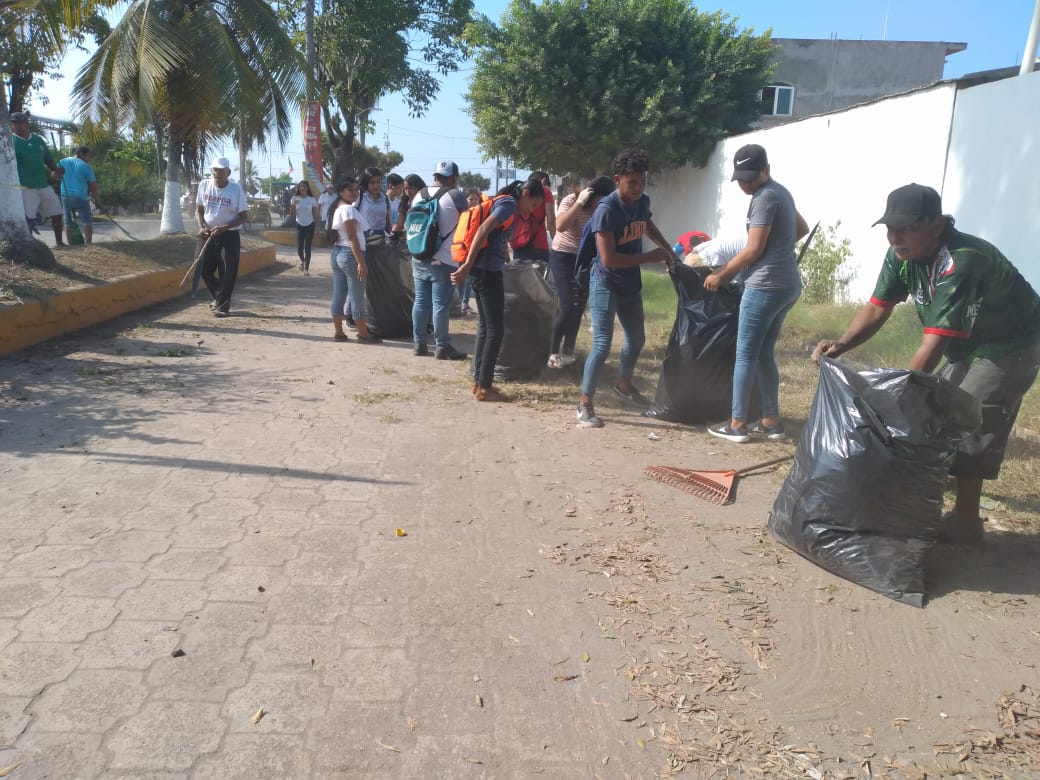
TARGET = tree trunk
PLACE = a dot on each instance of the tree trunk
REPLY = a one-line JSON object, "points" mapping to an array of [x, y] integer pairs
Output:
{"points": [[172, 219], [12, 213]]}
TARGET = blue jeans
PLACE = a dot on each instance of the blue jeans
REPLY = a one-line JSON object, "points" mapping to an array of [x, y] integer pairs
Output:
{"points": [[432, 290], [762, 313], [75, 205], [345, 284], [603, 305]]}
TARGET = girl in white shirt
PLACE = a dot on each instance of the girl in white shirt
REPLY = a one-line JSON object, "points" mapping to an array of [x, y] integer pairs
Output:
{"points": [[304, 209], [349, 268]]}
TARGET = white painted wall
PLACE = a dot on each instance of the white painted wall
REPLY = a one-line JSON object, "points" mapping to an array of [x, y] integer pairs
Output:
{"points": [[993, 171], [840, 167]]}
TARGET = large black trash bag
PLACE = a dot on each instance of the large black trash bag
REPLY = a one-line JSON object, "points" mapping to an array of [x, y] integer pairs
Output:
{"points": [[389, 309], [696, 384], [864, 498], [530, 310]]}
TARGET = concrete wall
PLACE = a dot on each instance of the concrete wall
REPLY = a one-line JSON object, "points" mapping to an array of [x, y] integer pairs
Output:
{"points": [[831, 74], [840, 168]]}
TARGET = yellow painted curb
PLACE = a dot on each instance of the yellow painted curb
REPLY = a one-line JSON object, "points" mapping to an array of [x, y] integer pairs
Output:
{"points": [[80, 307]]}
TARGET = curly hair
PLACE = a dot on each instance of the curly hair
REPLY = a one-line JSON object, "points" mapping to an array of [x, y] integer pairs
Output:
{"points": [[631, 160]]}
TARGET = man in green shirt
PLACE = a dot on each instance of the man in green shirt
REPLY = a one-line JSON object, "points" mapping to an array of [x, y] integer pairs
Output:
{"points": [[977, 310], [34, 159]]}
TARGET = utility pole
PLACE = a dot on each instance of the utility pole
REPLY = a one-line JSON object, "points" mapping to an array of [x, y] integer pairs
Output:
{"points": [[1029, 58]]}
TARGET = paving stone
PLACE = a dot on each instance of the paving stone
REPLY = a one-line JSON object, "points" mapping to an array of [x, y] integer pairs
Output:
{"points": [[89, 700], [166, 736], [263, 550], [128, 644], [161, 600], [367, 625], [183, 564], [238, 491], [298, 500], [245, 583], [66, 619], [376, 674], [207, 534], [295, 647], [290, 701], [224, 625], [15, 541], [202, 674], [310, 604], [83, 532], [48, 561], [280, 522], [248, 757], [26, 668], [320, 568], [19, 595], [345, 743], [134, 545], [46, 756], [106, 580], [13, 718], [7, 633]]}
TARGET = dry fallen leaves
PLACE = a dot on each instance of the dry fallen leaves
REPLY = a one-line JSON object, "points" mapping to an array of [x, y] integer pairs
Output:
{"points": [[385, 746], [8, 769], [257, 716]]}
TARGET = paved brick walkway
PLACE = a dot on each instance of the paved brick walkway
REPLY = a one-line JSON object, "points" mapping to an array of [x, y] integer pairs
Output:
{"points": [[199, 521]]}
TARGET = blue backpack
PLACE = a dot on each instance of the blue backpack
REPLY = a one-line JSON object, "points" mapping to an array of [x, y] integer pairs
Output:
{"points": [[421, 232]]}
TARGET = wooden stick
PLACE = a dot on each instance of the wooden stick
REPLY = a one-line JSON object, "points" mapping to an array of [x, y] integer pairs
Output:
{"points": [[191, 268]]}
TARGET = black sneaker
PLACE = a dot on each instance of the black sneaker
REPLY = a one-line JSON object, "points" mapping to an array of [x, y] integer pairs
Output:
{"points": [[221, 313], [449, 353], [633, 396], [420, 350], [587, 416], [735, 435], [771, 432], [350, 322]]}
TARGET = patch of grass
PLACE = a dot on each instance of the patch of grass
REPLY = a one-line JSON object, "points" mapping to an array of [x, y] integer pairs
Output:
{"points": [[370, 398], [389, 417], [175, 352]]}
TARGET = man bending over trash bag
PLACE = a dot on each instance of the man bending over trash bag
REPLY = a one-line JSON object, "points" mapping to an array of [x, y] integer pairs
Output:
{"points": [[977, 310]]}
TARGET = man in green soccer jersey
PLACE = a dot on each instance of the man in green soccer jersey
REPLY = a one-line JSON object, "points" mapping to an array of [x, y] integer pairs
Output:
{"points": [[977, 310]]}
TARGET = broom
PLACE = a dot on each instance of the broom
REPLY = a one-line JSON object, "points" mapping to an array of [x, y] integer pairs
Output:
{"points": [[111, 219], [195, 264], [715, 485]]}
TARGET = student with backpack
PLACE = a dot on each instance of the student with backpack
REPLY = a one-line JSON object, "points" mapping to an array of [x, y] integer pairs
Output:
{"points": [[428, 228], [616, 287], [480, 249]]}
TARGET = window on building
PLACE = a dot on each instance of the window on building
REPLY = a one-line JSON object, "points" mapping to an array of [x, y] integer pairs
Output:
{"points": [[777, 100]]}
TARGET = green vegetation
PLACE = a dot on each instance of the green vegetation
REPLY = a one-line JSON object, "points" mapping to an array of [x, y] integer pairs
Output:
{"points": [[825, 279], [564, 84], [468, 179]]}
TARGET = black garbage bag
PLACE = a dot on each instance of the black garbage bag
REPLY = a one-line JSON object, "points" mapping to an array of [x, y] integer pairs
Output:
{"points": [[530, 310], [864, 497], [696, 383], [389, 307]]}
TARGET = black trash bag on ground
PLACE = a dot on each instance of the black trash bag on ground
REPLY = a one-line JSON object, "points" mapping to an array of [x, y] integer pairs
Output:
{"points": [[864, 497], [696, 384], [389, 305], [530, 311]]}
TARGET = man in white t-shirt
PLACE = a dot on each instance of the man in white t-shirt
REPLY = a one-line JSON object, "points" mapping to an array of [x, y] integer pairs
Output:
{"points": [[325, 200], [221, 209], [433, 288]]}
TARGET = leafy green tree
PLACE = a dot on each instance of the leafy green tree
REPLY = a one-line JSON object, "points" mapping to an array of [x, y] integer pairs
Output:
{"points": [[823, 267], [467, 179], [367, 49], [564, 84], [128, 172], [200, 70]]}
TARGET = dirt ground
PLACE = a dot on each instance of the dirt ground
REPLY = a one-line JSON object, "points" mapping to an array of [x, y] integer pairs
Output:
{"points": [[745, 659]]}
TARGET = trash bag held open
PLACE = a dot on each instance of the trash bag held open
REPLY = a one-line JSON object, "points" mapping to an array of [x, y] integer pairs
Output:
{"points": [[864, 497], [696, 384], [389, 291], [530, 309]]}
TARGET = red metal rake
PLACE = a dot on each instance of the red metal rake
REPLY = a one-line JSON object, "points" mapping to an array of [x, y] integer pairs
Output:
{"points": [[714, 485]]}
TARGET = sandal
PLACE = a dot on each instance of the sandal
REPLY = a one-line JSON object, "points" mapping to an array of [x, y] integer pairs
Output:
{"points": [[554, 361]]}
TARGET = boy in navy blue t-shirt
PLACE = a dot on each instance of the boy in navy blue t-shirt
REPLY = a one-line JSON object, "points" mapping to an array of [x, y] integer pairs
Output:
{"points": [[616, 287]]}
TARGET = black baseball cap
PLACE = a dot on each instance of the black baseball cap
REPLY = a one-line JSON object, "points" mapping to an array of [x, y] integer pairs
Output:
{"points": [[909, 204], [749, 161]]}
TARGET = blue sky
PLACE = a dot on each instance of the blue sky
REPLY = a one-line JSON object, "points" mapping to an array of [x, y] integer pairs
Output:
{"points": [[994, 31]]}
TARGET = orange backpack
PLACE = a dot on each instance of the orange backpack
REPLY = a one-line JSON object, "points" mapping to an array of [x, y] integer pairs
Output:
{"points": [[469, 222]]}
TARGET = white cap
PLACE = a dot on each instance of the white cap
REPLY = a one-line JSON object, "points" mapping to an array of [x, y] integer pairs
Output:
{"points": [[446, 169], [221, 162]]}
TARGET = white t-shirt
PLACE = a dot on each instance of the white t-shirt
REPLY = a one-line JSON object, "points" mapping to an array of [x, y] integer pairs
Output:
{"points": [[720, 251], [326, 200], [373, 211], [345, 213], [304, 209], [221, 205]]}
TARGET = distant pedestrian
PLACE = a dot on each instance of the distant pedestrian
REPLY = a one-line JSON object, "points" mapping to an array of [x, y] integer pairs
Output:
{"points": [[325, 200], [305, 211], [78, 186], [34, 159], [221, 209], [394, 191]]}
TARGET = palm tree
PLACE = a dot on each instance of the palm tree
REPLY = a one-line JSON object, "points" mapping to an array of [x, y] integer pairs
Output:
{"points": [[203, 69]]}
